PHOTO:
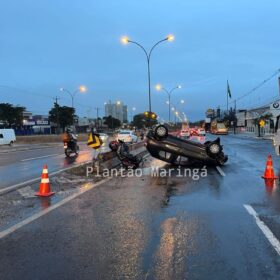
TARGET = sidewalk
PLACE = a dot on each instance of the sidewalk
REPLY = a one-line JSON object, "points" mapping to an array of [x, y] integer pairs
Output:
{"points": [[253, 135]]}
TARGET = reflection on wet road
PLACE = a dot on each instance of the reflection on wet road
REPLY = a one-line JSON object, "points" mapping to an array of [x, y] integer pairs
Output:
{"points": [[157, 227], [17, 167]]}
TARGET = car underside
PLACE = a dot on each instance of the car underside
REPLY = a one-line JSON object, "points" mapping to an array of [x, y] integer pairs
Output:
{"points": [[175, 150]]}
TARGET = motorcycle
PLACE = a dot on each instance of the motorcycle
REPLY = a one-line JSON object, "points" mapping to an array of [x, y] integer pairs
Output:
{"points": [[128, 160], [71, 147]]}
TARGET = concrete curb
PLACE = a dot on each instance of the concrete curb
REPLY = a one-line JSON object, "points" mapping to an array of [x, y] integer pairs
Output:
{"points": [[109, 158]]}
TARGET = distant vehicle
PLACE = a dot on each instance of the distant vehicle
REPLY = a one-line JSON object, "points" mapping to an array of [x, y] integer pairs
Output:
{"points": [[184, 133], [218, 128], [194, 132], [201, 132], [127, 136], [7, 136]]}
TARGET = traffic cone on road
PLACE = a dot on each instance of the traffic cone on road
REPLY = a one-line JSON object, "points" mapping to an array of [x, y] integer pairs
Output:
{"points": [[45, 188], [269, 172]]}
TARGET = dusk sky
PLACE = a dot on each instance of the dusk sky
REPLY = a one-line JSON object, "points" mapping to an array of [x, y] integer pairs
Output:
{"points": [[49, 44]]}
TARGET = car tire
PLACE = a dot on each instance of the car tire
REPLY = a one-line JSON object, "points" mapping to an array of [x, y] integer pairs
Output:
{"points": [[11, 143], [213, 149], [67, 154], [161, 132]]}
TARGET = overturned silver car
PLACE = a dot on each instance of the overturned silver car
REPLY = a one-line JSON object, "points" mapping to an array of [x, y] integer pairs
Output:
{"points": [[174, 150]]}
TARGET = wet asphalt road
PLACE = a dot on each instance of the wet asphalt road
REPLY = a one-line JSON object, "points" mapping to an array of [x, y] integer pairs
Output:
{"points": [[27, 162], [157, 228]]}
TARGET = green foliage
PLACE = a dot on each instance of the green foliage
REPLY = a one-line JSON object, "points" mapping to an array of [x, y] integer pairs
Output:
{"points": [[265, 117], [112, 122], [141, 121], [62, 114], [229, 117], [11, 115]]}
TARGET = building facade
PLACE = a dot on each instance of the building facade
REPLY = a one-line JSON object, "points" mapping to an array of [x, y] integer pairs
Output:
{"points": [[247, 120], [117, 110]]}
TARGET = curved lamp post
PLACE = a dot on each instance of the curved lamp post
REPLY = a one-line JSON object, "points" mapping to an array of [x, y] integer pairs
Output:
{"points": [[159, 88], [72, 94], [174, 108], [126, 40]]}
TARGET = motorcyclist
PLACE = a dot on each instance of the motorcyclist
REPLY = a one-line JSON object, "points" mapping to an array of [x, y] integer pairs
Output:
{"points": [[71, 138]]}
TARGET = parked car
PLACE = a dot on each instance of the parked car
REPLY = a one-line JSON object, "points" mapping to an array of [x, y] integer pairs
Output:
{"points": [[127, 136], [194, 132], [104, 137], [164, 146], [185, 133], [201, 132], [7, 136]]}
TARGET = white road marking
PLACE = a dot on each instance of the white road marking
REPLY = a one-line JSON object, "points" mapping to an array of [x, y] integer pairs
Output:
{"points": [[51, 208], [28, 159], [27, 149], [264, 228], [220, 170], [17, 186]]}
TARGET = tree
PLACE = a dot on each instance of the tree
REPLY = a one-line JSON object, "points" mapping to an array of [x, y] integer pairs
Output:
{"points": [[198, 123], [141, 121], [112, 122], [11, 115], [264, 118], [230, 117], [62, 115]]}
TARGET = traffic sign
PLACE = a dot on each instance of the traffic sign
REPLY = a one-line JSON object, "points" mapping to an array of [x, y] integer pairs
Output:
{"points": [[262, 123]]}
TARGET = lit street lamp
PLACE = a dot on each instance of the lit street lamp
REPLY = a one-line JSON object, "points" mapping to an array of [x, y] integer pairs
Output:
{"points": [[126, 40], [175, 109], [72, 94], [159, 87], [131, 112]]}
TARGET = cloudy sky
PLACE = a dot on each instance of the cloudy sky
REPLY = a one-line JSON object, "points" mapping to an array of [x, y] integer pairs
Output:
{"points": [[49, 44]]}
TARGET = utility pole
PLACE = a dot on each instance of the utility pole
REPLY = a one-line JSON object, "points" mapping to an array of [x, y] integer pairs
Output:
{"points": [[97, 116], [235, 120], [279, 84], [57, 114]]}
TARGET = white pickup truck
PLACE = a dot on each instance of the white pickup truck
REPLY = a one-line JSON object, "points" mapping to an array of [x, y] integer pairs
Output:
{"points": [[7, 136]]}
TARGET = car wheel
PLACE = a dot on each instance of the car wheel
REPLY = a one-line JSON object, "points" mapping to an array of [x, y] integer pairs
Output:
{"points": [[11, 143], [214, 149], [161, 131]]}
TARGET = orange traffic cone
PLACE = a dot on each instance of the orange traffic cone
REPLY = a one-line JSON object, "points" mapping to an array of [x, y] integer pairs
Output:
{"points": [[269, 172], [45, 189]]}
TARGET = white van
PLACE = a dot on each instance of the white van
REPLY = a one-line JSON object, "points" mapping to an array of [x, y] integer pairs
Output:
{"points": [[7, 136]]}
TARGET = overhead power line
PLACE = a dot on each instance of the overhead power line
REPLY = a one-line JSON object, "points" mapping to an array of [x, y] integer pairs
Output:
{"points": [[254, 88], [257, 87]]}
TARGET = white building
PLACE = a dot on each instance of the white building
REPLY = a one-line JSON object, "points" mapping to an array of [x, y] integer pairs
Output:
{"points": [[117, 110], [247, 119]]}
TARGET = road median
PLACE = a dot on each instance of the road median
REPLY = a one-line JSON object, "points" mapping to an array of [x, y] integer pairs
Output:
{"points": [[106, 160]]}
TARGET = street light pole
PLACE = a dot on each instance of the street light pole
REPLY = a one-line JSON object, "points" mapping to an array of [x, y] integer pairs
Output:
{"points": [[126, 40], [72, 95], [159, 87], [175, 109]]}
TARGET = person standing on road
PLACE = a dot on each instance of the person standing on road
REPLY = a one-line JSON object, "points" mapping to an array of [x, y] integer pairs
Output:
{"points": [[95, 142]]}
